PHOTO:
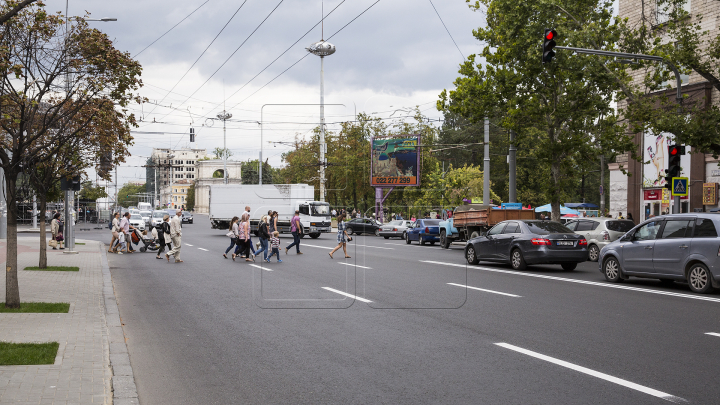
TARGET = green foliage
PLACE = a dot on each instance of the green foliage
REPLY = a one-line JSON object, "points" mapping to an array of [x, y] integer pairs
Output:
{"points": [[250, 174], [38, 308], [190, 199], [92, 192], [55, 268], [128, 195], [218, 174], [16, 354], [219, 152]]}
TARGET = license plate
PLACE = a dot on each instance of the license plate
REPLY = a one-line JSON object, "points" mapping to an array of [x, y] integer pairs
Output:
{"points": [[565, 243], [313, 229]]}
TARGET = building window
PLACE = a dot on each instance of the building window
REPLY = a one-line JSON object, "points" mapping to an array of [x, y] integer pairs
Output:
{"points": [[662, 10]]}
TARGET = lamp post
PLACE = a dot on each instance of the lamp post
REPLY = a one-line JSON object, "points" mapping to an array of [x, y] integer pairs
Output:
{"points": [[224, 116], [322, 49]]}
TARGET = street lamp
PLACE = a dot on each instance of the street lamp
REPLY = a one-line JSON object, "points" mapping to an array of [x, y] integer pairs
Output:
{"points": [[224, 116], [322, 49]]}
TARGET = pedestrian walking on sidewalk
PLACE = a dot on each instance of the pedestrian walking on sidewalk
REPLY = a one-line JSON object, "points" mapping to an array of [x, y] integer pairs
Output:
{"points": [[115, 228], [176, 237], [56, 229], [296, 230], [342, 237], [275, 243], [164, 236], [232, 234], [264, 235]]}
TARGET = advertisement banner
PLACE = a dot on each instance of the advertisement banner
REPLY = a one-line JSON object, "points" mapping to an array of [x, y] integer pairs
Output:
{"points": [[656, 159], [710, 193], [395, 161]]}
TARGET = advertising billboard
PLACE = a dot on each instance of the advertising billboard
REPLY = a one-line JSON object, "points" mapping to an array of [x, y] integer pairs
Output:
{"points": [[656, 159], [395, 161]]}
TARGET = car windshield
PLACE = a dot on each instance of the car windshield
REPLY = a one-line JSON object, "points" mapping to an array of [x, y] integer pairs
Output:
{"points": [[145, 213], [186, 214], [158, 214], [320, 209], [619, 226], [546, 227], [395, 223], [136, 217], [431, 222]]}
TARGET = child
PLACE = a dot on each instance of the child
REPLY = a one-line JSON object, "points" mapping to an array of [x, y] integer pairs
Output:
{"points": [[275, 243]]}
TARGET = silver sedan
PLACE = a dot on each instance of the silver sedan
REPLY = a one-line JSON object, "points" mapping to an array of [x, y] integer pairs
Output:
{"points": [[395, 229]]}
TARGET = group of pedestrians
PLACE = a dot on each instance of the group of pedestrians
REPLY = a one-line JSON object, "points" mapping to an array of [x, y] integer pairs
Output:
{"points": [[268, 233], [168, 234]]}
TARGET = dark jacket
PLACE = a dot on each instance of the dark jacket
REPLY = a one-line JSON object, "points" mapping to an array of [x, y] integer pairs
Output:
{"points": [[263, 230]]}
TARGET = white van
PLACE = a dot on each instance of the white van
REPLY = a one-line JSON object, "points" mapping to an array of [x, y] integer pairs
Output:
{"points": [[143, 206]]}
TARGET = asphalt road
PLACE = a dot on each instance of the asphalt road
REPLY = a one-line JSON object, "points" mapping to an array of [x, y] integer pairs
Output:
{"points": [[211, 330]]}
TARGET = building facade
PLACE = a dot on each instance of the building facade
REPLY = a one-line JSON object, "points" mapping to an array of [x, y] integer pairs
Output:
{"points": [[173, 167], [211, 172], [641, 190]]}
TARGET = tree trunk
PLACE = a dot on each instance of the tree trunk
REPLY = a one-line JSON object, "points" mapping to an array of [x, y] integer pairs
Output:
{"points": [[42, 262], [555, 203], [12, 290]]}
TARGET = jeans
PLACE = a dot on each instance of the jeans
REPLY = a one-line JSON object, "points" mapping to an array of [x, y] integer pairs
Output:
{"points": [[296, 242], [263, 248], [275, 251], [233, 241], [250, 245]]}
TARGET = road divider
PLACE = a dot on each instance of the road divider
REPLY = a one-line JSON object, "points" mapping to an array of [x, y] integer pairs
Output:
{"points": [[570, 280], [347, 295], [482, 289], [597, 374]]}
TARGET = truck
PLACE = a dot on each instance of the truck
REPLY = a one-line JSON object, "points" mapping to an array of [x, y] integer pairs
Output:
{"points": [[471, 220], [229, 200]]}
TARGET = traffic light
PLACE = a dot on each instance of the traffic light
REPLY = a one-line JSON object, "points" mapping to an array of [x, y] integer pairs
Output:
{"points": [[548, 45], [192, 134], [674, 169]]}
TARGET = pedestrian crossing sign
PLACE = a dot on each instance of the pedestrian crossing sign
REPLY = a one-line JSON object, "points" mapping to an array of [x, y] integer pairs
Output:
{"points": [[679, 186]]}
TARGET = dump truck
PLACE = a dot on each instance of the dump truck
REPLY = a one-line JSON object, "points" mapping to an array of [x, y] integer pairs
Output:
{"points": [[471, 220]]}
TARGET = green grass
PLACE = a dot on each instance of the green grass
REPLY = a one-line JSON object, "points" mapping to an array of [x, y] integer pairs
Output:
{"points": [[79, 243], [37, 308], [21, 354], [54, 268]]}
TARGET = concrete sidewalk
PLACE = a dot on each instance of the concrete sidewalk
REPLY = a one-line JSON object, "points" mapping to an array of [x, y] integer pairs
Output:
{"points": [[92, 365]]}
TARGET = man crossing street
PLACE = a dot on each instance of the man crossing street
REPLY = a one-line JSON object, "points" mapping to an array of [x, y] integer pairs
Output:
{"points": [[175, 236]]}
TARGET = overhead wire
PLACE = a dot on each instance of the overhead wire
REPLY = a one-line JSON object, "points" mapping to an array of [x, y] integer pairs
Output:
{"points": [[173, 27], [446, 28]]}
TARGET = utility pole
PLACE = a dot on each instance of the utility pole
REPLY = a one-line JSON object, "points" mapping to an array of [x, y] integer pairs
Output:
{"points": [[602, 184], [224, 116], [512, 160], [486, 165]]}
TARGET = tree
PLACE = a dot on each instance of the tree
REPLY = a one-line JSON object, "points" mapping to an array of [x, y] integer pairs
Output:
{"points": [[51, 79], [129, 194], [190, 200], [219, 152], [562, 110], [91, 192], [16, 8], [250, 175]]}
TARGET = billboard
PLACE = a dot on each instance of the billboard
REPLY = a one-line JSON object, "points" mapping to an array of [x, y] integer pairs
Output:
{"points": [[395, 161], [656, 159]]}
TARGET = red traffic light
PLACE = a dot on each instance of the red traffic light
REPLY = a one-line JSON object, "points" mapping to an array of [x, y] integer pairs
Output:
{"points": [[550, 35], [674, 150]]}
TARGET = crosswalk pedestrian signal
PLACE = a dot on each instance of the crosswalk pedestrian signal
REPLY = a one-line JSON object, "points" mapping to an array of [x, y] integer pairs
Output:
{"points": [[548, 45], [673, 169]]}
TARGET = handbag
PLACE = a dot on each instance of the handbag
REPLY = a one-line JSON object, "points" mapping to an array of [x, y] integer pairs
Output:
{"points": [[230, 234], [52, 243], [59, 237]]}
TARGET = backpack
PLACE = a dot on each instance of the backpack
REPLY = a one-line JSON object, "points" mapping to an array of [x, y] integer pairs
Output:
{"points": [[110, 225]]}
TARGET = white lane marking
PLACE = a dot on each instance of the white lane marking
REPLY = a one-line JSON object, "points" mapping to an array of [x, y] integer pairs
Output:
{"points": [[204, 249], [355, 265], [316, 246], [570, 280], [713, 334], [187, 244], [347, 295], [376, 247], [260, 267], [482, 289], [602, 376]]}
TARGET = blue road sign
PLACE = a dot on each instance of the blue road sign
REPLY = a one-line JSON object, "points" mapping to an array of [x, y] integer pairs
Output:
{"points": [[679, 186]]}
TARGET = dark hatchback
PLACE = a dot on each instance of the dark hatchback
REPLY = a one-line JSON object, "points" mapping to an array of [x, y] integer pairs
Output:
{"points": [[523, 243], [187, 217]]}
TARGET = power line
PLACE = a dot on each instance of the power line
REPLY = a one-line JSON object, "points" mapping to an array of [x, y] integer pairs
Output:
{"points": [[173, 27], [234, 52], [446, 29]]}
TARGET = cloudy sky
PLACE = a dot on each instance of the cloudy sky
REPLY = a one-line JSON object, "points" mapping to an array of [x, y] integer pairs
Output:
{"points": [[396, 54]]}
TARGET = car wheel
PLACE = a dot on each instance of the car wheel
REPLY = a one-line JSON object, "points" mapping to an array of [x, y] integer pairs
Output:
{"points": [[611, 270], [386, 237], [516, 260], [314, 235], [407, 238], [444, 242], [593, 253], [569, 266], [377, 232], [421, 240], [404, 235], [474, 235], [699, 278], [349, 231], [470, 255]]}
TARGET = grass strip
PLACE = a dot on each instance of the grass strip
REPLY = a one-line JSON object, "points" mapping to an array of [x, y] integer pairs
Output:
{"points": [[54, 268], [22, 354], [37, 308], [79, 243]]}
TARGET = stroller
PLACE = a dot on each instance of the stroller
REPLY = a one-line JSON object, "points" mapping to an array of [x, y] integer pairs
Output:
{"points": [[148, 242]]}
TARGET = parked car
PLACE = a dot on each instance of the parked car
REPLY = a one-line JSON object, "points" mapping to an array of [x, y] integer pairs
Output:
{"points": [[423, 231], [157, 217], [362, 225], [137, 221], [146, 216], [677, 247], [395, 229], [599, 232], [526, 242], [187, 217]]}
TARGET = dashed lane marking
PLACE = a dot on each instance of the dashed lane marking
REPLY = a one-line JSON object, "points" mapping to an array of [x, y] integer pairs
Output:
{"points": [[260, 267], [597, 374], [316, 246], [355, 265], [570, 280], [204, 249], [347, 295], [482, 289], [713, 334], [187, 244]]}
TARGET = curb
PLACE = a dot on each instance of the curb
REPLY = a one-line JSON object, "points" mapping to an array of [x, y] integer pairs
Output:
{"points": [[123, 380]]}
